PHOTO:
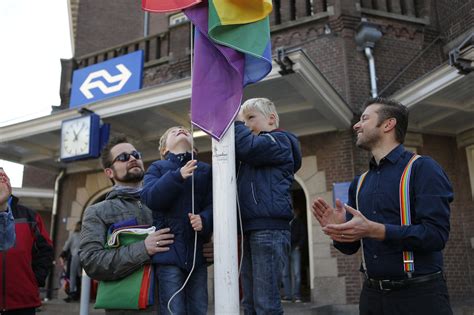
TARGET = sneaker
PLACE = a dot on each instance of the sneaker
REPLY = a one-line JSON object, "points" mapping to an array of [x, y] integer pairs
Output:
{"points": [[298, 300], [286, 299]]}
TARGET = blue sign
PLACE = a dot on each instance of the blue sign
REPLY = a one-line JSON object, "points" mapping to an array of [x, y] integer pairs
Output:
{"points": [[340, 191], [107, 79]]}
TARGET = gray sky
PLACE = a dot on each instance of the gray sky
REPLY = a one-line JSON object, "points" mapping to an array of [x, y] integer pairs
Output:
{"points": [[35, 35]]}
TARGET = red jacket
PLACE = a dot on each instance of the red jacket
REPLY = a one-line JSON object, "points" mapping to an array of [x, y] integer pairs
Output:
{"points": [[25, 266]]}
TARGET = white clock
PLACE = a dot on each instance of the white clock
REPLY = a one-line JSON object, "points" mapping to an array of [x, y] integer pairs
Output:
{"points": [[80, 138]]}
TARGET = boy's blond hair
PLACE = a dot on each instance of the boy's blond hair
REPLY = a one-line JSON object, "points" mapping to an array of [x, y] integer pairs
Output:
{"points": [[263, 105], [162, 145]]}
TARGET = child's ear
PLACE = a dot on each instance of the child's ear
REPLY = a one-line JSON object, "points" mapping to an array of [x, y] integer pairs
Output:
{"points": [[271, 119]]}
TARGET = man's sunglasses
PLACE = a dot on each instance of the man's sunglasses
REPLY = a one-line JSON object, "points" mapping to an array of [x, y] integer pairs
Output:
{"points": [[124, 156]]}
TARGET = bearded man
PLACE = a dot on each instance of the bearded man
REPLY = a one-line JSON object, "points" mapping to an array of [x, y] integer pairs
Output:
{"points": [[123, 165]]}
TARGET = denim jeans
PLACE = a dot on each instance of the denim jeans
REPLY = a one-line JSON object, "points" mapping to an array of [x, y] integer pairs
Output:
{"points": [[263, 261], [192, 299], [292, 275]]}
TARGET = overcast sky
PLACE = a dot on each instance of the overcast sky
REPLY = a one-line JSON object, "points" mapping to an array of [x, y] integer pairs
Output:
{"points": [[35, 35]]}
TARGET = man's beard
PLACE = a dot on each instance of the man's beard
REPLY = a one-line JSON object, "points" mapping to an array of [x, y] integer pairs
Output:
{"points": [[132, 177]]}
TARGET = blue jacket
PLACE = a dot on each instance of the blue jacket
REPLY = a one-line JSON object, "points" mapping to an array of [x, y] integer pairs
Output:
{"points": [[268, 163], [169, 197]]}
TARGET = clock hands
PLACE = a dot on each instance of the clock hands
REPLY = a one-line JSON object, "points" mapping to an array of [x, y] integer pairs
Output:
{"points": [[76, 134]]}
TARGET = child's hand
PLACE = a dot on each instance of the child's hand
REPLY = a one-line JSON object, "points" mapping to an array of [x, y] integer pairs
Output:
{"points": [[196, 221], [188, 169]]}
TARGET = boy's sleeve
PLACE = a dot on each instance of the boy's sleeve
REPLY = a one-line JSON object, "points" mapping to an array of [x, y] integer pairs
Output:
{"points": [[265, 149], [161, 190]]}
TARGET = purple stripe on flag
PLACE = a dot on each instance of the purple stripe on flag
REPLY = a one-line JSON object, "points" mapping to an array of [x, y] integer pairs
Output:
{"points": [[217, 85]]}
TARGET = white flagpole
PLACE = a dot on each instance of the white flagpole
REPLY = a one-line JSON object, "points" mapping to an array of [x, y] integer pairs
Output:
{"points": [[226, 277]]}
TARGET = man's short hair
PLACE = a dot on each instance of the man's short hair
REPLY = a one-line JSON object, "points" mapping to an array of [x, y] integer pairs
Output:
{"points": [[263, 105], [391, 109], [105, 156]]}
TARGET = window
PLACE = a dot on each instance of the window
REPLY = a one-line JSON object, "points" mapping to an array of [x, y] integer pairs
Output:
{"points": [[177, 19]]}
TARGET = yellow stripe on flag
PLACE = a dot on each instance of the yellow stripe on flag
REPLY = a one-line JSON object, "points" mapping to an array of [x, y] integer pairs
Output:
{"points": [[242, 11]]}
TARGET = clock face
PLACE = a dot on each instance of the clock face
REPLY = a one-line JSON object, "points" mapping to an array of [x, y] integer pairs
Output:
{"points": [[75, 137]]}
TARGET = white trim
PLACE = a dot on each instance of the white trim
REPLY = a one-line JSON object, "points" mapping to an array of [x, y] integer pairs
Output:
{"points": [[428, 85], [336, 109], [33, 193]]}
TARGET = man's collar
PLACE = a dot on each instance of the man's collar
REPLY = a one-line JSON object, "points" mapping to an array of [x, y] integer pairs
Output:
{"points": [[393, 156]]}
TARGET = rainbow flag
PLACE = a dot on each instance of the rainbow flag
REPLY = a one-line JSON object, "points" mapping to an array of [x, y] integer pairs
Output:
{"points": [[244, 26], [232, 49], [217, 82], [167, 5]]}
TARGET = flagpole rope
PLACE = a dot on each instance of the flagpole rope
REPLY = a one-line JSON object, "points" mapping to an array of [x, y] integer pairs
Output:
{"points": [[192, 180]]}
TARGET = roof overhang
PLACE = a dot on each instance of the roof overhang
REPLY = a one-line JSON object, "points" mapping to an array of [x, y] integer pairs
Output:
{"points": [[35, 198], [306, 102], [442, 101]]}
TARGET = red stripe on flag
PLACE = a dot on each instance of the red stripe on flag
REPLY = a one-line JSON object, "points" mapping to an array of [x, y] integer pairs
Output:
{"points": [[167, 5]]}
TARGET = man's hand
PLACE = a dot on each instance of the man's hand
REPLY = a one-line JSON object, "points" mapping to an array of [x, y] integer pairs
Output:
{"points": [[5, 190], [325, 214], [355, 229], [196, 221], [208, 252], [188, 169], [157, 242]]}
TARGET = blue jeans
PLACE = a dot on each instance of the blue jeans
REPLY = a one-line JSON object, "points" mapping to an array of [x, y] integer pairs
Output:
{"points": [[192, 299], [292, 275], [263, 261]]}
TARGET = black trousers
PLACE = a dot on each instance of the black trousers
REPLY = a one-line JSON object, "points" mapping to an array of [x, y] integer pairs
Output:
{"points": [[430, 298], [23, 311]]}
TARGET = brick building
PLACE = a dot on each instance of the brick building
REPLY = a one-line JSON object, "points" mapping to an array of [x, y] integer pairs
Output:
{"points": [[320, 78]]}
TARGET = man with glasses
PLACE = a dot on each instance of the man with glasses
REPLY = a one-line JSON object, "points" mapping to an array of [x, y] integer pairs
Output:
{"points": [[123, 165]]}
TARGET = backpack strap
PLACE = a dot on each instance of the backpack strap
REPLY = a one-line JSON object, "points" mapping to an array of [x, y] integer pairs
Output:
{"points": [[405, 213]]}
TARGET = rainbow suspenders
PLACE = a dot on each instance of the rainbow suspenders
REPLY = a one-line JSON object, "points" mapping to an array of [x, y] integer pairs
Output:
{"points": [[405, 215]]}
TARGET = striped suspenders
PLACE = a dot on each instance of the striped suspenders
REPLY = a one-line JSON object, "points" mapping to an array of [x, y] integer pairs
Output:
{"points": [[405, 215]]}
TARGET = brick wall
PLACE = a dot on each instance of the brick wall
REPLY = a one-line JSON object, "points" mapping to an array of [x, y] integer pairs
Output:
{"points": [[106, 23], [458, 253], [38, 178], [455, 17]]}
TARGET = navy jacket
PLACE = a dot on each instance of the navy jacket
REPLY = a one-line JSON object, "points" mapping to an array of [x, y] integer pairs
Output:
{"points": [[430, 195], [265, 175], [169, 197]]}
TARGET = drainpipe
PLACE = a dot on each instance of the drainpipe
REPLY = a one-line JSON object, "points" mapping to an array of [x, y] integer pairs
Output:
{"points": [[366, 37], [373, 76], [53, 226]]}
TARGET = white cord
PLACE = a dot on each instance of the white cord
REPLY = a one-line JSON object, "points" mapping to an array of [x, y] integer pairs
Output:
{"points": [[192, 196], [240, 224]]}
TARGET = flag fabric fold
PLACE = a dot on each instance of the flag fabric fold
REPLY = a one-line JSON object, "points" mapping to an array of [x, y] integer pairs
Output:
{"points": [[244, 26], [217, 83], [167, 5], [232, 49]]}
